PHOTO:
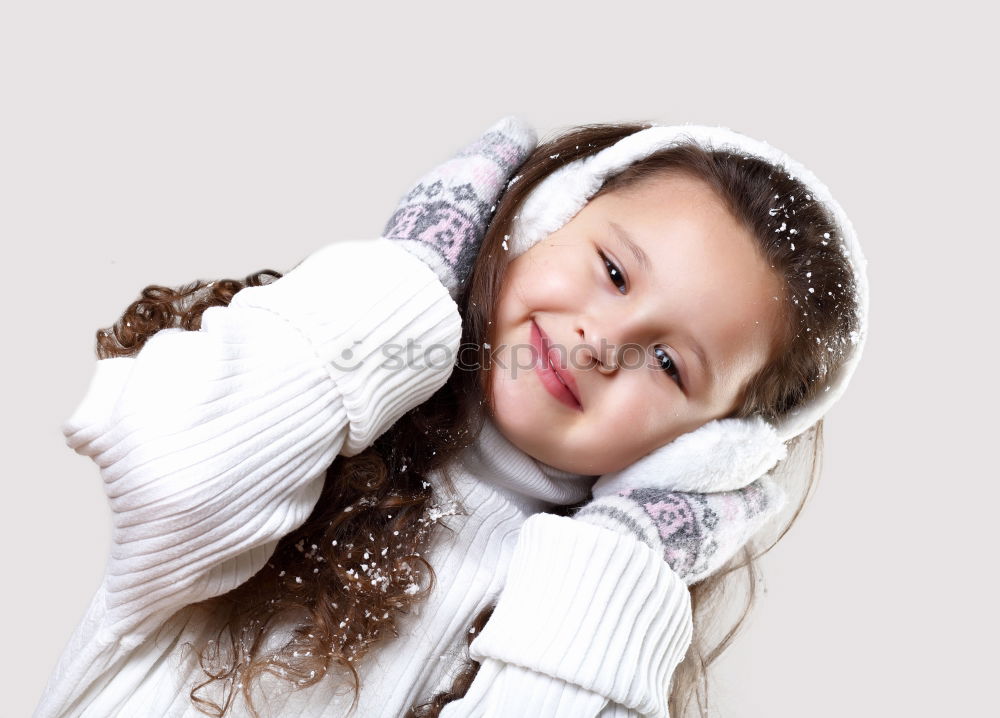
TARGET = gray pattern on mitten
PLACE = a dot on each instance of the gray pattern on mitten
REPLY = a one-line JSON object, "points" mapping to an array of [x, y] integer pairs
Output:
{"points": [[697, 532]]}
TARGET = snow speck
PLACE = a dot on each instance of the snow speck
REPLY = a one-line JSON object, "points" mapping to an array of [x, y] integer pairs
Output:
{"points": [[435, 513]]}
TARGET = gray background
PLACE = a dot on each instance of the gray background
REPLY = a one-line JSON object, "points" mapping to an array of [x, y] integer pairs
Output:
{"points": [[145, 145]]}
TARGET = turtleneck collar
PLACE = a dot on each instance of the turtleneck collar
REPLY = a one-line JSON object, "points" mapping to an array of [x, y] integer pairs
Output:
{"points": [[494, 460]]}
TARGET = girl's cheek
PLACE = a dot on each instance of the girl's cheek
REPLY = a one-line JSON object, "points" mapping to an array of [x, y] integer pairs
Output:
{"points": [[566, 277]]}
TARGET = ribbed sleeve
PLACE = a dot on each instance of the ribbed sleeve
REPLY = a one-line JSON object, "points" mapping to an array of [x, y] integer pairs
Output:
{"points": [[213, 444], [381, 323], [501, 690], [592, 608]]}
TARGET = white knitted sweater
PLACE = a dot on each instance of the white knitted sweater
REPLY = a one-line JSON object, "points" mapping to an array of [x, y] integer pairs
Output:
{"points": [[213, 445]]}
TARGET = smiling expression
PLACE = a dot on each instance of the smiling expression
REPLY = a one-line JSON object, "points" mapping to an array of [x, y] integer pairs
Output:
{"points": [[653, 308]]}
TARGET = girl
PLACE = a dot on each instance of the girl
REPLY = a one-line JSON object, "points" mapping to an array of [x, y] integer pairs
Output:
{"points": [[314, 512]]}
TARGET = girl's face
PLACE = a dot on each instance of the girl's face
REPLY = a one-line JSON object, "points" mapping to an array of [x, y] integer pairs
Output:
{"points": [[625, 293]]}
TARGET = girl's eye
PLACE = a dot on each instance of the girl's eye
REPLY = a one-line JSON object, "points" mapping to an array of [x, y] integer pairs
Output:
{"points": [[614, 272], [668, 365]]}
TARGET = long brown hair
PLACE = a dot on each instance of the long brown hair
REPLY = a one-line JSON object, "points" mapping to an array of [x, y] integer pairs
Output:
{"points": [[377, 503]]}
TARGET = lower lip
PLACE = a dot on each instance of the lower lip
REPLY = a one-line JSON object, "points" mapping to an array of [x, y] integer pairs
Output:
{"points": [[550, 381]]}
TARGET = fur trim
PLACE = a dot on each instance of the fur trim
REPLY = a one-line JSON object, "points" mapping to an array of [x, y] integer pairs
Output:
{"points": [[722, 455]]}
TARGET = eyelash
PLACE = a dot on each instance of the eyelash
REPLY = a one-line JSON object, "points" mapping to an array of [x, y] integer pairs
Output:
{"points": [[613, 272]]}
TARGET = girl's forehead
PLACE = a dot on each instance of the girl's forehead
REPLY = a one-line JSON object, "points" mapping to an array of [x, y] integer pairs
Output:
{"points": [[678, 192], [672, 213]]}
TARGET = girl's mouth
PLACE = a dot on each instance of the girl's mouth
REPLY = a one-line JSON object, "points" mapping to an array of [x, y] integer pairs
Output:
{"points": [[547, 373]]}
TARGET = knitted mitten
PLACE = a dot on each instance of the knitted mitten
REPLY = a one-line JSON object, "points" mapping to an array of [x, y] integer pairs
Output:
{"points": [[697, 532], [443, 218]]}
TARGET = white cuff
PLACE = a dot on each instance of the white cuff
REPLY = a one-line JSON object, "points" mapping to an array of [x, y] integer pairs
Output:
{"points": [[593, 607]]}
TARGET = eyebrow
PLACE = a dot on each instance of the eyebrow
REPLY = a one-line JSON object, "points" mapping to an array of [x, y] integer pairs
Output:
{"points": [[643, 259], [640, 256]]}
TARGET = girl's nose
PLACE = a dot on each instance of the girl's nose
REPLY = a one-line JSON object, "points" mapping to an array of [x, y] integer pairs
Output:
{"points": [[617, 336], [608, 368], [601, 351]]}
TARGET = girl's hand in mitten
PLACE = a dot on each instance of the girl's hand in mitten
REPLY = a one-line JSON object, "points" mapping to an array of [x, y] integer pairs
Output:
{"points": [[697, 532], [443, 218], [699, 498]]}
